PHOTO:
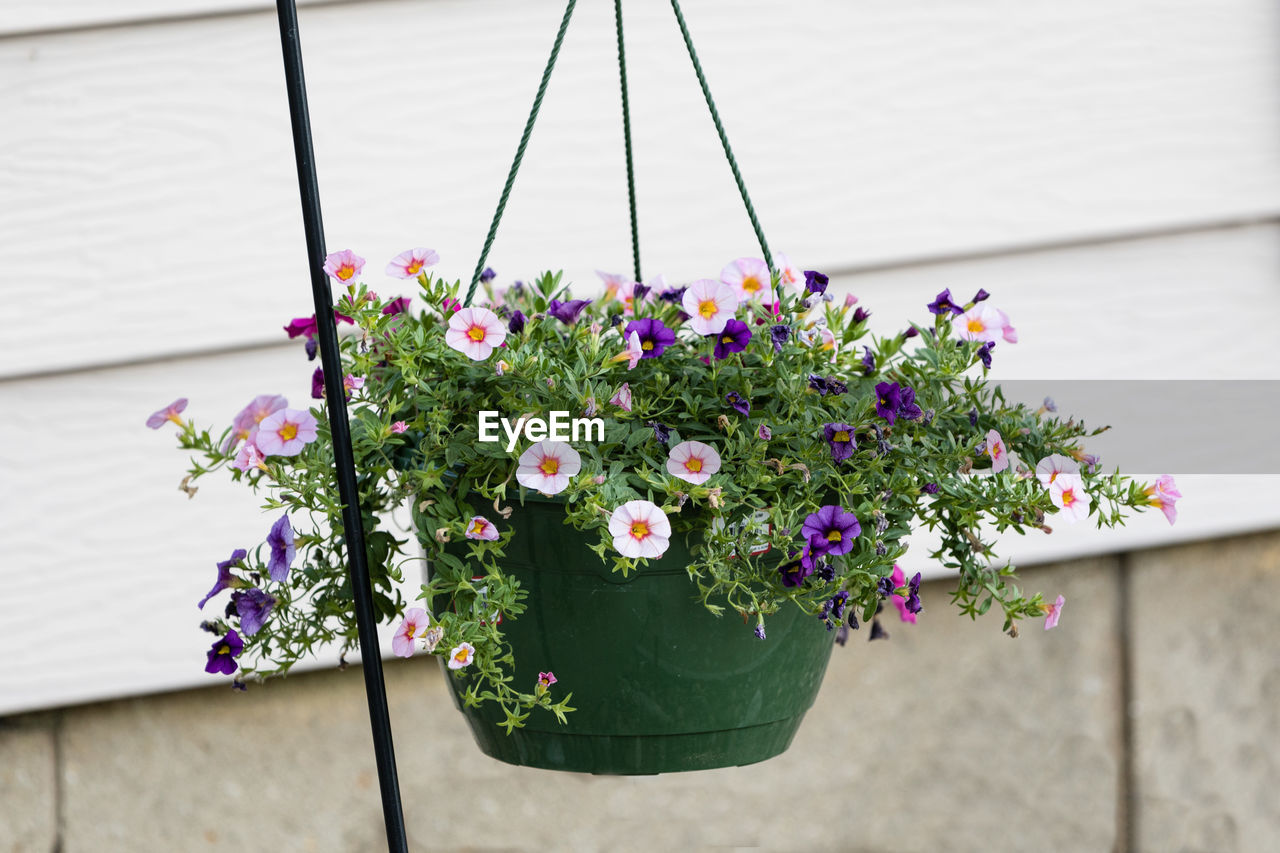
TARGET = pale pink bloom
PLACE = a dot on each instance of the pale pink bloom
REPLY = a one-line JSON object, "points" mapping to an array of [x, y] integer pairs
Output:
{"points": [[789, 275], [598, 479], [248, 418], [399, 427], [622, 399], [633, 352], [982, 322], [627, 295], [693, 462], [640, 529], [1068, 494], [480, 527], [249, 457], [352, 383], [474, 332], [764, 433], [168, 413], [286, 432], [501, 368], [850, 300], [750, 278], [828, 341], [413, 627], [710, 305], [997, 451], [462, 655], [547, 466], [1048, 468], [1052, 612], [432, 638], [409, 263], [613, 282], [1164, 494], [899, 580], [344, 266]]}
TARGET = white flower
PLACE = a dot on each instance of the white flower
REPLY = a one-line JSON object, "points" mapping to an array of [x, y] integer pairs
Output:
{"points": [[693, 462], [475, 332], [1048, 468], [462, 655], [640, 529], [709, 305], [547, 466], [1068, 494], [750, 277]]}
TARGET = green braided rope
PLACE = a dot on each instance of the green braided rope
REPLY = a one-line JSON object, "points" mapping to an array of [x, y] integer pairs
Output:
{"points": [[626, 135], [724, 140], [524, 142]]}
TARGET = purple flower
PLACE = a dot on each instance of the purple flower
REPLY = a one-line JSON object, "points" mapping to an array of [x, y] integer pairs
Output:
{"points": [[910, 333], [311, 346], [672, 294], [888, 399], [984, 353], [819, 384], [779, 334], [794, 572], [980, 296], [282, 549], [654, 336], [1049, 405], [252, 606], [638, 293], [733, 339], [929, 488], [815, 282], [842, 633], [835, 527], [739, 405], [840, 437], [907, 407], [877, 631], [397, 306], [568, 312], [860, 315], [226, 580], [488, 274], [317, 384], [760, 631], [764, 433], [516, 324], [833, 609], [869, 361], [943, 304], [973, 418], [223, 654], [661, 431], [913, 598]]}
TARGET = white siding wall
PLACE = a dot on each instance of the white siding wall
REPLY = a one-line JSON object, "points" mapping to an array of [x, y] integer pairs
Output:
{"points": [[153, 245]]}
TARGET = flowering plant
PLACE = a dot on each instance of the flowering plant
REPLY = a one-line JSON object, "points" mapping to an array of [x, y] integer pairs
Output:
{"points": [[752, 415]]}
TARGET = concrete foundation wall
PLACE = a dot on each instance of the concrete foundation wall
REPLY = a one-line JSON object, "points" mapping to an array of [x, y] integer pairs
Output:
{"points": [[950, 736]]}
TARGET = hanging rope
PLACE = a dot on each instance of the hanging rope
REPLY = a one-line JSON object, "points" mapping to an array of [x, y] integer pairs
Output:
{"points": [[626, 136], [524, 142], [724, 139]]}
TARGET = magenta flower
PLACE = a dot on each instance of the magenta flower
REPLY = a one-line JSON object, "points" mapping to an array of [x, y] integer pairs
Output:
{"points": [[226, 580], [253, 607], [283, 549], [397, 306], [480, 527], [414, 626], [693, 462], [249, 457], [168, 413], [399, 427], [223, 654], [308, 327], [286, 432], [344, 266], [1053, 612], [654, 336], [841, 439], [640, 529], [733, 338], [622, 399], [1163, 493], [475, 332], [710, 304], [545, 680], [409, 263], [750, 278]]}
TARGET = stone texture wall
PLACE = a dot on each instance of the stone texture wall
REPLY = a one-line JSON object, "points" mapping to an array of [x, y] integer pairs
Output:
{"points": [[951, 736]]}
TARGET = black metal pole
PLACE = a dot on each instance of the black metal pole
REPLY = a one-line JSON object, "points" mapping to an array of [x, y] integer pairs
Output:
{"points": [[344, 461]]}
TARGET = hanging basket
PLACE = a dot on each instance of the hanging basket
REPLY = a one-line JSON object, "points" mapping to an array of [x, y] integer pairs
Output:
{"points": [[659, 682]]}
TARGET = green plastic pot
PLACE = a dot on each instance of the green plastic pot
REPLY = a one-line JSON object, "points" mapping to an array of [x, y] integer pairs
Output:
{"points": [[660, 684]]}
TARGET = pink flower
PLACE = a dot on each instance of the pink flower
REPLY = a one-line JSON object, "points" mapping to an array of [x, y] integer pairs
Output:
{"points": [[633, 353], [308, 327], [168, 413], [409, 263], [1068, 494], [399, 427], [249, 457], [850, 300], [1164, 494], [693, 462], [750, 278], [246, 421], [462, 655], [1052, 612], [985, 323], [1048, 468], [997, 451], [764, 433], [613, 283], [286, 432], [450, 304], [627, 295], [640, 529], [344, 266], [480, 527], [547, 466], [545, 680], [475, 332], [789, 275], [710, 305], [899, 579], [352, 383], [622, 399], [413, 627]]}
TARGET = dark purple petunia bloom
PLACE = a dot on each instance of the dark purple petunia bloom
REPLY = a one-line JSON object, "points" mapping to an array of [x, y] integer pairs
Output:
{"points": [[516, 325], [910, 333], [973, 418], [980, 296], [929, 488], [913, 604], [888, 399], [833, 609], [943, 304], [568, 312], [907, 407], [835, 386], [877, 631], [815, 282], [674, 295], [760, 632], [835, 527], [661, 431], [795, 572], [223, 654], [861, 315], [655, 337], [252, 606], [733, 339], [869, 361], [984, 353], [639, 292], [842, 635], [317, 384], [226, 580], [840, 437], [310, 348], [818, 383], [488, 274], [779, 334], [885, 586], [280, 539], [614, 319], [397, 306], [739, 405]]}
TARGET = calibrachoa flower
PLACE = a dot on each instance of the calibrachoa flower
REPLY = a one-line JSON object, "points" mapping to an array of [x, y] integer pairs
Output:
{"points": [[246, 421], [794, 572], [779, 335], [475, 332], [462, 655], [226, 580], [888, 400], [545, 680], [397, 306], [252, 606], [831, 529], [547, 466], [750, 278], [1053, 612], [249, 457], [286, 432], [488, 275], [907, 407], [516, 324], [984, 353], [840, 437], [1164, 494], [984, 323], [283, 550], [789, 275], [414, 626], [399, 427], [168, 413], [738, 403], [222, 657], [710, 304], [613, 283], [308, 327], [943, 304], [344, 266], [815, 282], [480, 527], [1068, 494], [764, 433], [997, 451], [661, 432], [640, 529], [1048, 468], [693, 462], [409, 263], [654, 337], [733, 338], [622, 399], [352, 383], [567, 312], [317, 384]]}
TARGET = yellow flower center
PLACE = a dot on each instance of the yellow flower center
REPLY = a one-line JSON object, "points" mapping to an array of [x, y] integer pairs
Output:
{"points": [[834, 536], [708, 308], [476, 333], [288, 432], [647, 345], [726, 339], [693, 465], [413, 267], [751, 284], [461, 656], [346, 271], [639, 529], [842, 435], [975, 326], [549, 466], [226, 650], [1068, 498], [477, 527]]}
